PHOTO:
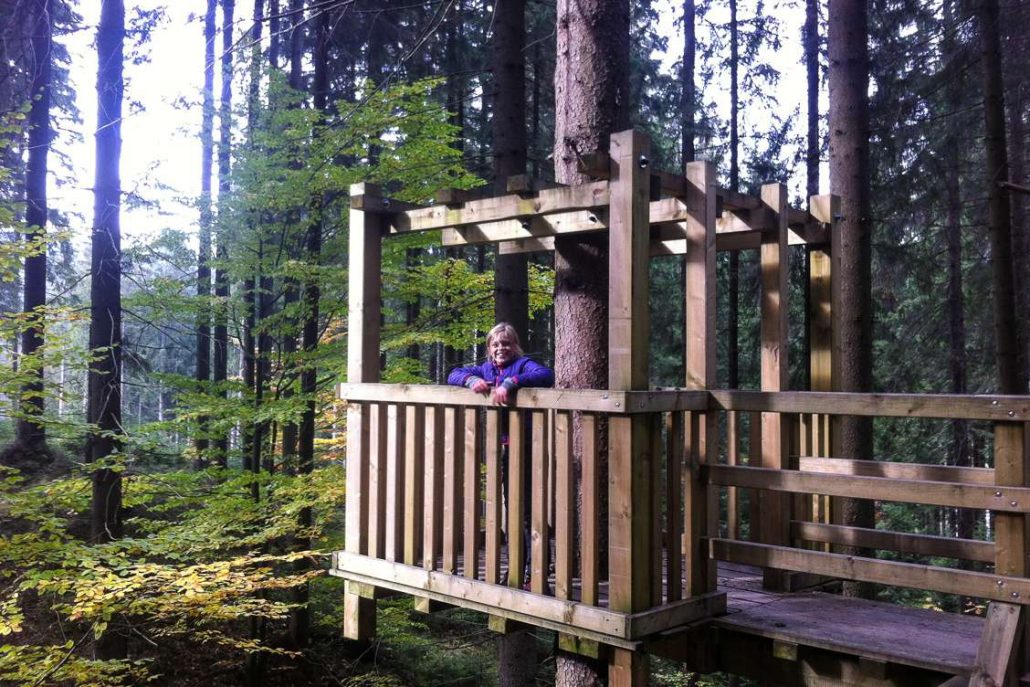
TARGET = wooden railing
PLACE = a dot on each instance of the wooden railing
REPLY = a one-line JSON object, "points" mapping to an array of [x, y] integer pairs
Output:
{"points": [[425, 491], [802, 541], [426, 512]]}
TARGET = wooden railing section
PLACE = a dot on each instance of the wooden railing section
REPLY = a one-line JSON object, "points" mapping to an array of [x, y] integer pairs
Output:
{"points": [[788, 544], [430, 496]]}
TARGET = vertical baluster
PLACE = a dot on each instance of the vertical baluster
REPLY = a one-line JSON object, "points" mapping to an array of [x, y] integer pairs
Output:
{"points": [[473, 460], [732, 458], [539, 535], [674, 504], [658, 548], [395, 440], [564, 506], [493, 496], [754, 459], [516, 496], [358, 462], [414, 484], [432, 532], [591, 493], [454, 445], [377, 481]]}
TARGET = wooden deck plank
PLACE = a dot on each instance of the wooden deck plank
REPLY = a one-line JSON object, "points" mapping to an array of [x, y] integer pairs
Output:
{"points": [[910, 636]]}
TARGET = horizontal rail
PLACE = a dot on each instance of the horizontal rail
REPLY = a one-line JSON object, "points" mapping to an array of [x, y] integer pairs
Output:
{"points": [[943, 406], [910, 575], [996, 498], [910, 471], [588, 400], [900, 542]]}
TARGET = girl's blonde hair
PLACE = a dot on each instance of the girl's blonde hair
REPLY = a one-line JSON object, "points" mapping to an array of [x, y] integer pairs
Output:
{"points": [[505, 328]]}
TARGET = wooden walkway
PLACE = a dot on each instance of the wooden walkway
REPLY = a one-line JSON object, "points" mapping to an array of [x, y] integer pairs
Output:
{"points": [[870, 630]]}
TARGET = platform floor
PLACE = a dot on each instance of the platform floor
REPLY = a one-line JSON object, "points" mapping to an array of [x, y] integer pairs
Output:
{"points": [[869, 629]]}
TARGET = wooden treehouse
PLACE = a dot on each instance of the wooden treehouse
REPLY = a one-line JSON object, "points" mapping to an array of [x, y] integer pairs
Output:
{"points": [[424, 494]]}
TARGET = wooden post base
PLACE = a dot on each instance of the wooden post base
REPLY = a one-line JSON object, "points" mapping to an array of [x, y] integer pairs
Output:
{"points": [[359, 617], [628, 668]]}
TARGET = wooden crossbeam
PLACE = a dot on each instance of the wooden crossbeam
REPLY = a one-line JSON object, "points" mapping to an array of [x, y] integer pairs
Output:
{"points": [[1006, 499], [911, 575], [901, 542]]}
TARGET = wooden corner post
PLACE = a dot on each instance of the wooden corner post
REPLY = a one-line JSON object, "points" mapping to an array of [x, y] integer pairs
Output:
{"points": [[631, 463], [700, 373], [816, 441], [364, 261], [774, 507], [1003, 654]]}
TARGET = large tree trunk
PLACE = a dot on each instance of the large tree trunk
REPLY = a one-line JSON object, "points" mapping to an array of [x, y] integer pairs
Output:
{"points": [[207, 145], [999, 221], [31, 437], [591, 84], [105, 329], [849, 178]]}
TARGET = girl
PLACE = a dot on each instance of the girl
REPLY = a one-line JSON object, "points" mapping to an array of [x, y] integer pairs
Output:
{"points": [[505, 370]]}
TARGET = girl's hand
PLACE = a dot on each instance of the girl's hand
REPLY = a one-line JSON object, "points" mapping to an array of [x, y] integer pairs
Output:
{"points": [[480, 386], [501, 396]]}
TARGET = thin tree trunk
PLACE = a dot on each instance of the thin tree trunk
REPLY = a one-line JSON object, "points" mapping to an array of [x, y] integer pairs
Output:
{"points": [[849, 178], [811, 43], [511, 285], [961, 453], [687, 135], [221, 334], [203, 368], [516, 651], [105, 331], [733, 316], [999, 220], [300, 619], [31, 433], [591, 84]]}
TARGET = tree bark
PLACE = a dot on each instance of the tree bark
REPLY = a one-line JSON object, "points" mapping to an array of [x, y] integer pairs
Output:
{"points": [[203, 367], [811, 43], [849, 178], [31, 433], [733, 272], [591, 84]]}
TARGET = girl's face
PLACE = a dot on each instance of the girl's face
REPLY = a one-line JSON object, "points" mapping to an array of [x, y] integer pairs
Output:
{"points": [[501, 350]]}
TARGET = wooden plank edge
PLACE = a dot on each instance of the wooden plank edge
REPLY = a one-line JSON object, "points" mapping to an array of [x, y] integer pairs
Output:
{"points": [[541, 611], [677, 614]]}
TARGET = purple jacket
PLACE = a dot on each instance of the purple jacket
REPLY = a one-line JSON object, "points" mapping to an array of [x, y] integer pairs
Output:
{"points": [[522, 372]]}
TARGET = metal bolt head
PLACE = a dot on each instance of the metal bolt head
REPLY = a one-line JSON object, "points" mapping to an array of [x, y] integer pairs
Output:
{"points": [[644, 162], [1013, 503], [994, 403], [1015, 595], [1001, 583], [1012, 413], [998, 494]]}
